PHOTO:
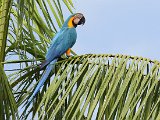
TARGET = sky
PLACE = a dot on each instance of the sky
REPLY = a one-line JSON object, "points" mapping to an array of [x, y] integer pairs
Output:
{"points": [[129, 27]]}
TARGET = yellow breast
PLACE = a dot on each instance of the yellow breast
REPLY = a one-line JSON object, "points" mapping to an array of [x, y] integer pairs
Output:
{"points": [[70, 24]]}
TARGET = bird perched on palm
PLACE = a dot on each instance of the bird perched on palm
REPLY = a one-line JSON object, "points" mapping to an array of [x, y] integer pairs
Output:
{"points": [[62, 43]]}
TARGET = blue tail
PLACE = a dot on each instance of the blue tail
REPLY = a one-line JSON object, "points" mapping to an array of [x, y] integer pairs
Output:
{"points": [[43, 79]]}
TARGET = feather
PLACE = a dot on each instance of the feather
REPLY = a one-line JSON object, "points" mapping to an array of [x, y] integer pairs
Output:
{"points": [[43, 79]]}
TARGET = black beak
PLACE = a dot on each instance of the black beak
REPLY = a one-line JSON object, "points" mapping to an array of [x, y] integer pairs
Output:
{"points": [[82, 21]]}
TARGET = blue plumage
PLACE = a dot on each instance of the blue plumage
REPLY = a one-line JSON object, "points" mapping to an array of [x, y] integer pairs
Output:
{"points": [[62, 41], [49, 68]]}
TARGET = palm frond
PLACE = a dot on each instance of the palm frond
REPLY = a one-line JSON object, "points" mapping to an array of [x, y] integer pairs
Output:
{"points": [[5, 7], [100, 87], [8, 107]]}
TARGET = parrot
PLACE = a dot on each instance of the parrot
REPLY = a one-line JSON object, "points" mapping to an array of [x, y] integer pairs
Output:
{"points": [[61, 43]]}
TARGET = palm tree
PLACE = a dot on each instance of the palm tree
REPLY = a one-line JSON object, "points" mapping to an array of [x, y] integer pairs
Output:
{"points": [[81, 87]]}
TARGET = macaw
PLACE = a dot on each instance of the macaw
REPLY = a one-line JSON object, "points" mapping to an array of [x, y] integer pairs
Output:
{"points": [[62, 43]]}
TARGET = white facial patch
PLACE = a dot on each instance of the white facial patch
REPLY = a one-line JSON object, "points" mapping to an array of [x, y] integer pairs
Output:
{"points": [[76, 20]]}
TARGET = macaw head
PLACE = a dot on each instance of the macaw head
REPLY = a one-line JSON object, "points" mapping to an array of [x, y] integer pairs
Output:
{"points": [[78, 19], [74, 20]]}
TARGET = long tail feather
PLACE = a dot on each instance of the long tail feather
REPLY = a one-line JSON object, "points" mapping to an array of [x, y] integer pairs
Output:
{"points": [[43, 78]]}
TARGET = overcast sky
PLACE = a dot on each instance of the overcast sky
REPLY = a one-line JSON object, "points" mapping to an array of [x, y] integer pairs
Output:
{"points": [[130, 27]]}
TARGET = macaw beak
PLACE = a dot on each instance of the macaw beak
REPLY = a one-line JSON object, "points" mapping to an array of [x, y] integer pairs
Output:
{"points": [[82, 21]]}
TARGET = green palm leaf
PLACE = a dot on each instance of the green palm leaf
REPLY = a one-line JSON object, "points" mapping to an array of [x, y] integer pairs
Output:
{"points": [[102, 87], [8, 105], [4, 22]]}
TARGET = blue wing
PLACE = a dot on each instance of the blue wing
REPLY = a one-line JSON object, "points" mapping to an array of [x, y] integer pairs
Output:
{"points": [[62, 41]]}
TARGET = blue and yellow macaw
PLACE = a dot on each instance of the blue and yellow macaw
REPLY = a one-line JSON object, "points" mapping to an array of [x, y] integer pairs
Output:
{"points": [[62, 43]]}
